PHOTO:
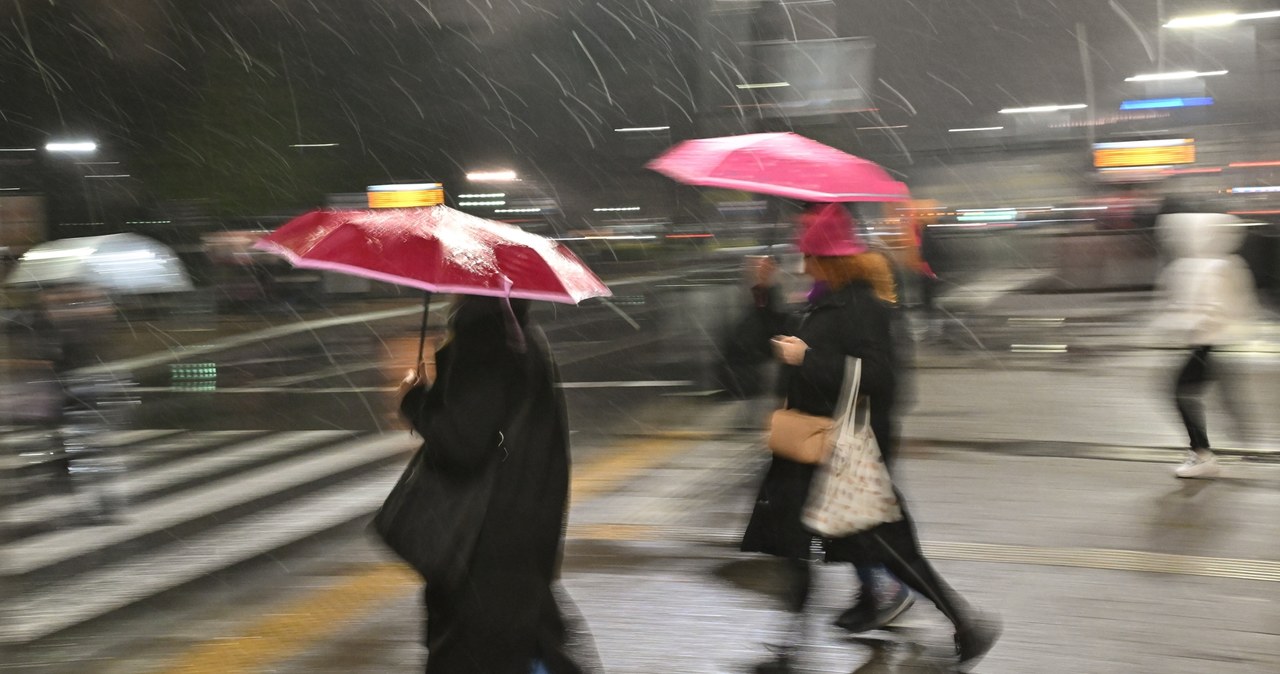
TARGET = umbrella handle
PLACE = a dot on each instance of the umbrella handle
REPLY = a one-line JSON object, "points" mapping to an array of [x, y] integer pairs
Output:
{"points": [[422, 332]]}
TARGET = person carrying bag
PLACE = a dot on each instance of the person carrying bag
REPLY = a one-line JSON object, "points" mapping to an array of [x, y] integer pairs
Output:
{"points": [[852, 490], [480, 512], [847, 323]]}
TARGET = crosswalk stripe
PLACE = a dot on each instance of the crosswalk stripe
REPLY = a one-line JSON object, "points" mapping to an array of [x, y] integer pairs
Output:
{"points": [[295, 626]]}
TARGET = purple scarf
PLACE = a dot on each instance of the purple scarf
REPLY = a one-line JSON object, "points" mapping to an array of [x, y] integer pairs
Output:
{"points": [[819, 290]]}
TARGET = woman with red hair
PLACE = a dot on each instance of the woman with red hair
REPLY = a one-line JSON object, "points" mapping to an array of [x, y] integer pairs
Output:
{"points": [[849, 313]]}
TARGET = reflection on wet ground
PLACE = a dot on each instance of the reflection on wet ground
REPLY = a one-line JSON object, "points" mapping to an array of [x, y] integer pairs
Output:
{"points": [[291, 431]]}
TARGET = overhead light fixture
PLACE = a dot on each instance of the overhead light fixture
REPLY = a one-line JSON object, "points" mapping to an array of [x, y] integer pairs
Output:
{"points": [[1179, 75], [975, 128], [616, 209], [17, 149], [637, 129], [485, 195], [1263, 189], [314, 145], [1218, 20], [492, 176], [77, 146], [765, 85], [1133, 144], [881, 128], [1043, 108]]}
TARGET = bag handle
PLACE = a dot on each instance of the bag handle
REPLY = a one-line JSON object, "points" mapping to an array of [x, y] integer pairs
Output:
{"points": [[847, 402]]}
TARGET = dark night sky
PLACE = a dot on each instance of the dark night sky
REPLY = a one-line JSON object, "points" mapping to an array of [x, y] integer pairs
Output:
{"points": [[205, 98]]}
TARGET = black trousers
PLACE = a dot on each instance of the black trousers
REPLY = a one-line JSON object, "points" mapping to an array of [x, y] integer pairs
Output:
{"points": [[1188, 391], [906, 562]]}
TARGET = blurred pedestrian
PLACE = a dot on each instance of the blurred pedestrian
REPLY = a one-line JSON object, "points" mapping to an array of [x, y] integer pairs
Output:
{"points": [[495, 430], [744, 347], [1209, 294], [76, 320], [848, 314]]}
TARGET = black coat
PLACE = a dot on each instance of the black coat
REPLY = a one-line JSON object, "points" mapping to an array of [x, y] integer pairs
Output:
{"points": [[849, 322], [502, 613]]}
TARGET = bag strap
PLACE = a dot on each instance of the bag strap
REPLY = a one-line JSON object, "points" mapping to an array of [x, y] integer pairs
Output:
{"points": [[847, 402]]}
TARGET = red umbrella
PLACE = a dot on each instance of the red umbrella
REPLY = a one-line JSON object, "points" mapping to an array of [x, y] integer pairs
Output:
{"points": [[437, 249], [781, 164]]}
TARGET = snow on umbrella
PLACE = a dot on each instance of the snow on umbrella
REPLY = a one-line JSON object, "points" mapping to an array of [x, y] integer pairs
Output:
{"points": [[780, 164], [437, 249]]}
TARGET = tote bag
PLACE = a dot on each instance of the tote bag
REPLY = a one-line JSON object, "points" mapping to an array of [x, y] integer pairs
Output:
{"points": [[420, 518], [851, 490]]}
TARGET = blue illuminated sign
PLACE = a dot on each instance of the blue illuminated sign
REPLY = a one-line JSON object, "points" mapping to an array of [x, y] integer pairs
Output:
{"points": [[1154, 103]]}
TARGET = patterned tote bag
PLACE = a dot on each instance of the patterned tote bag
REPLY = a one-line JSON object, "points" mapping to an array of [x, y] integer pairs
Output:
{"points": [[851, 490]]}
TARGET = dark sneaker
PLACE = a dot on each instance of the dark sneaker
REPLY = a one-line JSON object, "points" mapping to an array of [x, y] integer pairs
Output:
{"points": [[974, 641], [866, 616], [778, 665], [781, 662]]}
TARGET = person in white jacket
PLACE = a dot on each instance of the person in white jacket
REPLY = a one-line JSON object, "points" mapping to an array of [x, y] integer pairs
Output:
{"points": [[1210, 297]]}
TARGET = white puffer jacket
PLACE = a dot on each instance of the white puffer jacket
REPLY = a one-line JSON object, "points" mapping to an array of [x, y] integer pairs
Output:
{"points": [[1209, 293]]}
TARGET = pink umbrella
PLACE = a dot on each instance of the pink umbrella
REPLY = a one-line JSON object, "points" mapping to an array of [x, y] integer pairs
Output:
{"points": [[437, 249], [781, 164]]}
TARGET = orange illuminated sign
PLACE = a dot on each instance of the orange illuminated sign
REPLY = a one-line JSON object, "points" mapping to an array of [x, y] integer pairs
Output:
{"points": [[1144, 153], [405, 196]]}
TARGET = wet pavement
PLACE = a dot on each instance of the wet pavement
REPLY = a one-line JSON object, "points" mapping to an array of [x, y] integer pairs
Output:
{"points": [[1040, 481], [1095, 566]]}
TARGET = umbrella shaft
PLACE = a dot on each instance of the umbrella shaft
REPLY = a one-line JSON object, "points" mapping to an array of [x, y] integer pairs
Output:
{"points": [[422, 332]]}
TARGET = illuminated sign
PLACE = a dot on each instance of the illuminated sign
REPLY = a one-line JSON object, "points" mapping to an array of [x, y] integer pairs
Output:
{"points": [[1144, 153], [406, 196], [1156, 103]]}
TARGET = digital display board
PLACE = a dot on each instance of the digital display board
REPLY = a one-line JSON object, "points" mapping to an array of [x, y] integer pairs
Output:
{"points": [[406, 196], [1144, 153]]}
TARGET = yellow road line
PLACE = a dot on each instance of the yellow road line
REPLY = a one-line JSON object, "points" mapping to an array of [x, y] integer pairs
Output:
{"points": [[294, 627], [289, 630]]}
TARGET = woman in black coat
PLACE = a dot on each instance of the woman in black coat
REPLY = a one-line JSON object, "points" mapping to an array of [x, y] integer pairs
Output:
{"points": [[844, 318], [494, 427]]}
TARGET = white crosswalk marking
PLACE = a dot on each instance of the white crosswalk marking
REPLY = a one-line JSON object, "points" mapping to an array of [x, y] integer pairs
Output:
{"points": [[198, 502]]}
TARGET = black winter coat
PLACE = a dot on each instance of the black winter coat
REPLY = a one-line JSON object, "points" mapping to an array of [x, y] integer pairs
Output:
{"points": [[502, 614], [849, 322]]}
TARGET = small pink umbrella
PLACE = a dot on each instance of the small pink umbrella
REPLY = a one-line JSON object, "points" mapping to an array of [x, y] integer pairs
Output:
{"points": [[781, 164], [437, 249]]}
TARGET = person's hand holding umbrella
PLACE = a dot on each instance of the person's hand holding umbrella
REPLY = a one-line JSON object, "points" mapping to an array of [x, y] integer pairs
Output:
{"points": [[413, 378]]}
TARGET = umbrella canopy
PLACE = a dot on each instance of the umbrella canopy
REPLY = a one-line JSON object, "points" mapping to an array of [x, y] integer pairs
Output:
{"points": [[781, 164], [122, 264], [437, 249]]}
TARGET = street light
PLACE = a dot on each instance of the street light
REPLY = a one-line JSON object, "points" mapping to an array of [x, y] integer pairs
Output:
{"points": [[1218, 20], [1043, 108], [71, 146], [504, 176], [1179, 75]]}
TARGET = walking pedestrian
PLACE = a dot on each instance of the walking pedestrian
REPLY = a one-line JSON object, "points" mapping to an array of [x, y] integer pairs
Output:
{"points": [[1209, 293], [495, 428], [846, 316], [76, 323]]}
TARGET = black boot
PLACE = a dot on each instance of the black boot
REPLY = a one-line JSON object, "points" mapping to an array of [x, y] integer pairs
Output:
{"points": [[976, 639], [867, 615]]}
